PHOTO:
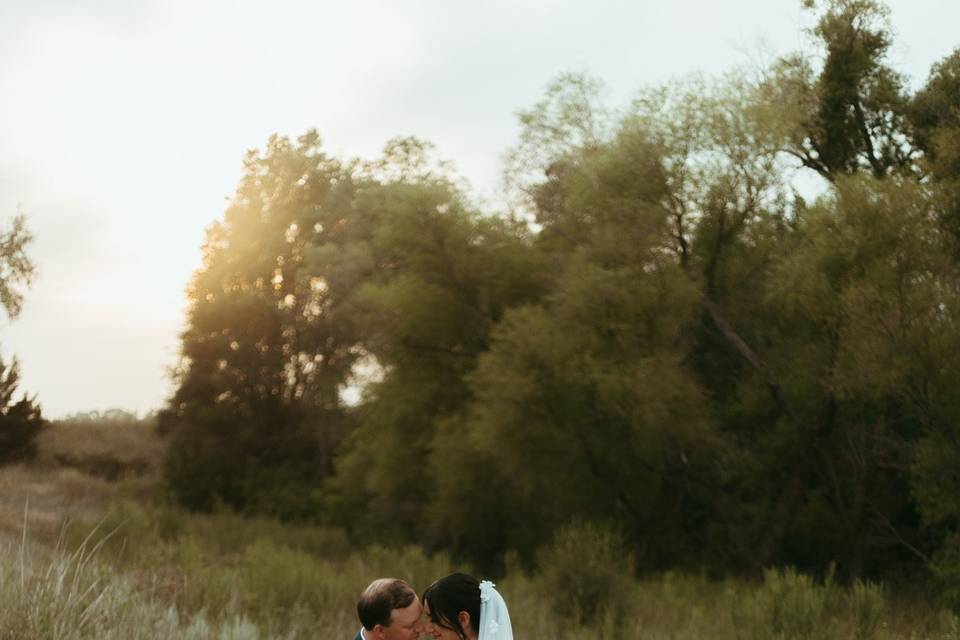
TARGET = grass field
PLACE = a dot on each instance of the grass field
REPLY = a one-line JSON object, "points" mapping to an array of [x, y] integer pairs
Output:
{"points": [[102, 555]]}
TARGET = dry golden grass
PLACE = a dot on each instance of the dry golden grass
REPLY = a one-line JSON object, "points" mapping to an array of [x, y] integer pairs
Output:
{"points": [[107, 448], [49, 498], [73, 476]]}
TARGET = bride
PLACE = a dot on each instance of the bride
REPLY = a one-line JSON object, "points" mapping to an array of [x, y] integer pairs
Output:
{"points": [[458, 607]]}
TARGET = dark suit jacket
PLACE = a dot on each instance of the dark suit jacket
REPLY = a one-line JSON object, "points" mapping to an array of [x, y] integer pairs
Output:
{"points": [[358, 636]]}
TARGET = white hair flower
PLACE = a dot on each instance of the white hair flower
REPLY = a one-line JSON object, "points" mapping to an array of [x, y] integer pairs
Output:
{"points": [[494, 619], [485, 588]]}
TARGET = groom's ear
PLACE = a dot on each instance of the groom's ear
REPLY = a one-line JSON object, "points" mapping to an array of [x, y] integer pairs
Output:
{"points": [[377, 631]]}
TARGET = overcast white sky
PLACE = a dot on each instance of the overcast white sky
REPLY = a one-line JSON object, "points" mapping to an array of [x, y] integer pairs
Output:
{"points": [[123, 124]]}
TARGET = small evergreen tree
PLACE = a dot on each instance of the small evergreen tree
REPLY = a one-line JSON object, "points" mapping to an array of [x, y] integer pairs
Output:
{"points": [[20, 421]]}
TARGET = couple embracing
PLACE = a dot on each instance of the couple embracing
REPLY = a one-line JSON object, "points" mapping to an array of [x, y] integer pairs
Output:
{"points": [[457, 607]]}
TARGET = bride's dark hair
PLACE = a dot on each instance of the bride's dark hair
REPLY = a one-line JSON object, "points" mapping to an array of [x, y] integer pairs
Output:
{"points": [[449, 596]]}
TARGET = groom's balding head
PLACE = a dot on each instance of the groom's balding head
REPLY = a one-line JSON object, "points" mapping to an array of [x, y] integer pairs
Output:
{"points": [[381, 598]]}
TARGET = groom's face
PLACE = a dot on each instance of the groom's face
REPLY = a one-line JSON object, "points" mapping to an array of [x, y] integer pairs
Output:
{"points": [[404, 623]]}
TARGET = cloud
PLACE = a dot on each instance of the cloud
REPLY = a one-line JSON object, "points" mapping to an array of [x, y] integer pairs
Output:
{"points": [[128, 17], [124, 124]]}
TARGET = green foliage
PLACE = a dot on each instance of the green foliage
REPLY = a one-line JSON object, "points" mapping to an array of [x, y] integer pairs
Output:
{"points": [[20, 420], [867, 601], [789, 605], [16, 267], [257, 414], [452, 275], [664, 336], [945, 566], [260, 464], [933, 114], [586, 572], [935, 121], [222, 574], [846, 110], [594, 373], [570, 118], [325, 275]]}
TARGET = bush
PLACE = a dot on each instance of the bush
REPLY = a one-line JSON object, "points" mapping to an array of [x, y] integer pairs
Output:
{"points": [[866, 601], [112, 445], [587, 572], [787, 606], [949, 625], [946, 570], [264, 465]]}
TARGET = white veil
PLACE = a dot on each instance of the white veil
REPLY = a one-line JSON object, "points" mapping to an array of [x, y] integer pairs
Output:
{"points": [[494, 618]]}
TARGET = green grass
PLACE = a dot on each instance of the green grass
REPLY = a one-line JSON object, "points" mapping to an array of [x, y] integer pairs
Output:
{"points": [[131, 566], [152, 572]]}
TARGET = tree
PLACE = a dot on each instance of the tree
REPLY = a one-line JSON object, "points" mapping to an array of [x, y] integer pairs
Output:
{"points": [[257, 414], [935, 126], [448, 274], [319, 267], [934, 117], [847, 113], [690, 198], [583, 406], [20, 420]]}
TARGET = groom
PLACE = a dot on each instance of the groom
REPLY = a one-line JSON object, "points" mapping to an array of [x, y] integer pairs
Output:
{"points": [[389, 610]]}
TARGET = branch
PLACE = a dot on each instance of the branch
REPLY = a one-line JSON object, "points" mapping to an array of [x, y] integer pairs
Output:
{"points": [[878, 170], [811, 163], [413, 346], [752, 358], [896, 534]]}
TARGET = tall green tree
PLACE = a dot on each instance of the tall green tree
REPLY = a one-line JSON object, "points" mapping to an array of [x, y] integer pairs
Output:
{"points": [[842, 108], [935, 126], [257, 414], [448, 276], [788, 469]]}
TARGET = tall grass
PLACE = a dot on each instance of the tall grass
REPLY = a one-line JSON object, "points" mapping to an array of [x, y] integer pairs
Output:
{"points": [[285, 580], [146, 570], [57, 595], [259, 578], [133, 567]]}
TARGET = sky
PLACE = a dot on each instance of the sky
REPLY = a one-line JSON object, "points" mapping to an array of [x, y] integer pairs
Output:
{"points": [[123, 124]]}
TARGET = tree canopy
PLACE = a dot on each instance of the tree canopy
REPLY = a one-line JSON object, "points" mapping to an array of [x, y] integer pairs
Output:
{"points": [[667, 334]]}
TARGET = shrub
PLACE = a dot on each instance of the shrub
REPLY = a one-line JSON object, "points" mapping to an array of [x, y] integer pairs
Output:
{"points": [[949, 625], [262, 464], [866, 601], [112, 445], [787, 606], [946, 570], [587, 572]]}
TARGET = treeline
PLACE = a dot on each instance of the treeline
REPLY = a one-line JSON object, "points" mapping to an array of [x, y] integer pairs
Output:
{"points": [[665, 335]]}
